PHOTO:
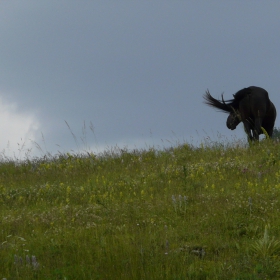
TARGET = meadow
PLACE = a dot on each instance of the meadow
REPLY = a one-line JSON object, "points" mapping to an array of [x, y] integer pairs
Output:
{"points": [[207, 212]]}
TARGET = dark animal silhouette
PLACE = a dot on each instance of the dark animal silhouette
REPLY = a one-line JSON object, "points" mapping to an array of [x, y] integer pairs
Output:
{"points": [[251, 106]]}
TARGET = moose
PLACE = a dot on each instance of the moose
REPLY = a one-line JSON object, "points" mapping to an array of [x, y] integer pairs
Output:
{"points": [[251, 106]]}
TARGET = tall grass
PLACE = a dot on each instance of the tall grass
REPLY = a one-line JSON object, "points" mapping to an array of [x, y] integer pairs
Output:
{"points": [[208, 212]]}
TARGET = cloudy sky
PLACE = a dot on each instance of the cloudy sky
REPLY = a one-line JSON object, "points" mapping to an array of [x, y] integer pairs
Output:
{"points": [[128, 73]]}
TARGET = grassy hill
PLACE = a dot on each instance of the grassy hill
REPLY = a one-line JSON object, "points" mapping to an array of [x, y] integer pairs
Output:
{"points": [[184, 213]]}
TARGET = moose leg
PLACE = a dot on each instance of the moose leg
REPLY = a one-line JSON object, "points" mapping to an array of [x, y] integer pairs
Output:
{"points": [[247, 129], [257, 128], [270, 132]]}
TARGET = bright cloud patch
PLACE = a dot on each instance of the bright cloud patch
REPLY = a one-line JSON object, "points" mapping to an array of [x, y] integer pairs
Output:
{"points": [[18, 131]]}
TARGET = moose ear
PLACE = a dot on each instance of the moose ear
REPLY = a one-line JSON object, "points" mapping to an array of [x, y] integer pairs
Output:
{"points": [[233, 95]]}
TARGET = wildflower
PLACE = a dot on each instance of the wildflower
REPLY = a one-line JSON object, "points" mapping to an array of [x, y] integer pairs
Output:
{"points": [[166, 242], [199, 252], [174, 202], [180, 201], [35, 264], [27, 260], [250, 201], [18, 260], [166, 247], [250, 204]]}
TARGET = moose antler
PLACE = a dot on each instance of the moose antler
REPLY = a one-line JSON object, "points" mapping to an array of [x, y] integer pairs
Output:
{"points": [[223, 99]]}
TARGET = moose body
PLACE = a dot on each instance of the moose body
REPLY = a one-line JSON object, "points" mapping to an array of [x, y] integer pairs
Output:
{"points": [[251, 106]]}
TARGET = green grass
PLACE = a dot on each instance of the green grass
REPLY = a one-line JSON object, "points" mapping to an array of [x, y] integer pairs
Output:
{"points": [[182, 213]]}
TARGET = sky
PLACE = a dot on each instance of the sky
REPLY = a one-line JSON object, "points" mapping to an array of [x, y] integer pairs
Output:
{"points": [[83, 75]]}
